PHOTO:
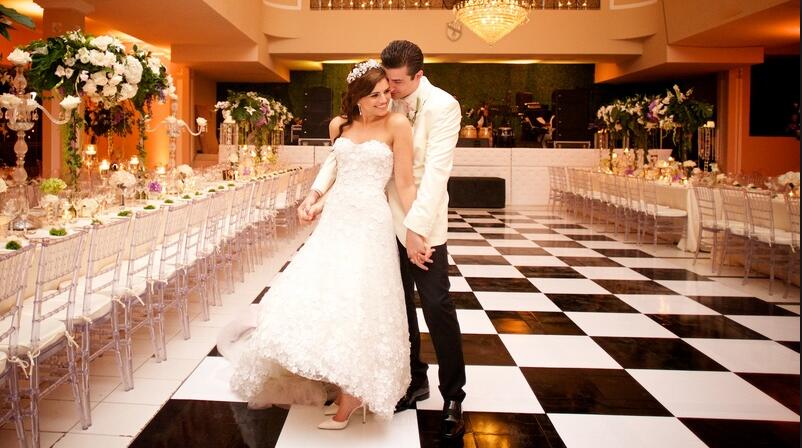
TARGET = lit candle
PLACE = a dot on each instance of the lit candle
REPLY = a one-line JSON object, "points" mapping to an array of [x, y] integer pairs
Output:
{"points": [[104, 165], [134, 161], [90, 150], [710, 124], [160, 170]]}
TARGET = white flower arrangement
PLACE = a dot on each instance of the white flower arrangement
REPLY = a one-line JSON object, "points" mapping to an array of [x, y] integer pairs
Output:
{"points": [[185, 170], [3, 186], [8, 100], [19, 57], [122, 179], [49, 200], [88, 206], [200, 121], [361, 69], [70, 102], [789, 178], [233, 157], [689, 164]]}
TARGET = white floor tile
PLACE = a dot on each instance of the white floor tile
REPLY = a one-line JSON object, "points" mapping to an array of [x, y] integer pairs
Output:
{"points": [[759, 287], [300, 430], [209, 382], [619, 324], [470, 322], [119, 419], [471, 250], [701, 288], [77, 440], [459, 284], [557, 351], [512, 243], [665, 304], [791, 308], [778, 328], [515, 301], [489, 271], [572, 252], [607, 245], [171, 369], [461, 225], [522, 226], [464, 236], [145, 391], [749, 356], [567, 286], [577, 231], [609, 273], [637, 262], [534, 260], [8, 438], [504, 230], [623, 431], [99, 388], [488, 389], [179, 348], [546, 237], [107, 366], [482, 220], [721, 395]]}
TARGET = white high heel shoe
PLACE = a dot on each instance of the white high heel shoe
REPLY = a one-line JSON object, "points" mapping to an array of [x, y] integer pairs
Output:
{"points": [[330, 423], [330, 409]]}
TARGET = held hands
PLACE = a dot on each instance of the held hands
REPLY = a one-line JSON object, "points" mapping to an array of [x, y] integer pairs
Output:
{"points": [[418, 250], [310, 208]]}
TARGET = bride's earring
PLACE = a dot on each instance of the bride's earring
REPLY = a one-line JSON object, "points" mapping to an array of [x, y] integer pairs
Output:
{"points": [[359, 107]]}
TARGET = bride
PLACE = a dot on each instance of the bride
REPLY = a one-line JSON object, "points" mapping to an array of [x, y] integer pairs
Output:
{"points": [[336, 315]]}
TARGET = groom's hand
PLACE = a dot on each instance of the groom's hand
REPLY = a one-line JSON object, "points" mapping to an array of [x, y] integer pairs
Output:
{"points": [[305, 210], [418, 251]]}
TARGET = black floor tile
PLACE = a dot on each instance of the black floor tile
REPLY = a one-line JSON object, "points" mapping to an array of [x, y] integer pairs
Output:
{"points": [[564, 226], [501, 284], [210, 424], [717, 433], [453, 271], [549, 272], [480, 259], [793, 345], [591, 303], [477, 349], [476, 216], [458, 242], [537, 231], [493, 430], [517, 220], [536, 251], [623, 253], [456, 220], [503, 236], [656, 353], [258, 298], [749, 306], [530, 322], [495, 225], [589, 237], [461, 230], [702, 326], [461, 300], [562, 244], [591, 391], [633, 287], [284, 266], [783, 388], [589, 261], [670, 274]]}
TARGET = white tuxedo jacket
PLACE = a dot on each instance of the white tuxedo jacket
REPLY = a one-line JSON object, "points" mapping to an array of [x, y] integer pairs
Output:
{"points": [[434, 135]]}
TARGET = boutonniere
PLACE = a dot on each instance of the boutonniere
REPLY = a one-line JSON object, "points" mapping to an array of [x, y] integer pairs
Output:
{"points": [[413, 114]]}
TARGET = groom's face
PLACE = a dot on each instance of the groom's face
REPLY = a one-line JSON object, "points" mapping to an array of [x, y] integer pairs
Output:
{"points": [[402, 84]]}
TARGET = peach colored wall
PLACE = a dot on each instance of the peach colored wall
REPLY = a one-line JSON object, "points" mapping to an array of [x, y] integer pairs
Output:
{"points": [[745, 153], [204, 96], [685, 18]]}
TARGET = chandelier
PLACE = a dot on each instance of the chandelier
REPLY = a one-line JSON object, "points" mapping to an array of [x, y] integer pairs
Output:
{"points": [[492, 19]]}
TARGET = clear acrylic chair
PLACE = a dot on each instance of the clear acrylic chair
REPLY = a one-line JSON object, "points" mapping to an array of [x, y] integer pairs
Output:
{"points": [[705, 199], [660, 219], [792, 206], [14, 268], [764, 241], [194, 275], [45, 337], [736, 219]]}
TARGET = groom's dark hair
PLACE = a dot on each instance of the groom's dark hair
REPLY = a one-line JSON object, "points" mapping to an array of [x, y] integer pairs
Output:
{"points": [[399, 53]]}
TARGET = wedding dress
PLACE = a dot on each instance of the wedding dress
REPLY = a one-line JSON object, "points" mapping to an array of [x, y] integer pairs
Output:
{"points": [[336, 315]]}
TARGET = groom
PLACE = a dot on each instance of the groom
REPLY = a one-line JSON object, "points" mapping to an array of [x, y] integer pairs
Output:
{"points": [[435, 116]]}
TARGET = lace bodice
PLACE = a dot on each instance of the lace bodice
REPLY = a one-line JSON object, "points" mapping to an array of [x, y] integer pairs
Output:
{"points": [[362, 168]]}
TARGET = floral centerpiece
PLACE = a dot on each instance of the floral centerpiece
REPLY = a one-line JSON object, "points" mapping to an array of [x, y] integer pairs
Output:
{"points": [[257, 117], [53, 186], [123, 180], [683, 115]]}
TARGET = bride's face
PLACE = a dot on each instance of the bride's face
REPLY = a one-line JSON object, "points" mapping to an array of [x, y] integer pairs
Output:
{"points": [[376, 103]]}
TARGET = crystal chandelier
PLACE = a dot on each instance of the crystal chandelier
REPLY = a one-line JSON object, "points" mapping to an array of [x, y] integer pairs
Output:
{"points": [[492, 19]]}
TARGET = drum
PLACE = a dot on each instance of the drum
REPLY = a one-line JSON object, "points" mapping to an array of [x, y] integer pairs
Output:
{"points": [[485, 132], [506, 138], [468, 131]]}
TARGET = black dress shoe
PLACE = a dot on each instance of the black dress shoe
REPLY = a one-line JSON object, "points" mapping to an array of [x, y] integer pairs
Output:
{"points": [[453, 426], [412, 396]]}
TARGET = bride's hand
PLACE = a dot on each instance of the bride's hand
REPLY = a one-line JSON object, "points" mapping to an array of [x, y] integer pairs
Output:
{"points": [[418, 250], [306, 206]]}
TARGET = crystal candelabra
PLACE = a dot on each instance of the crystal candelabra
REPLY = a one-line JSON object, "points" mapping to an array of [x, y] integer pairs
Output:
{"points": [[21, 111], [174, 127]]}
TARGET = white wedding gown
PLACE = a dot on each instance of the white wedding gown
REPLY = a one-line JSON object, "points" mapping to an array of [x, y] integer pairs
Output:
{"points": [[336, 315]]}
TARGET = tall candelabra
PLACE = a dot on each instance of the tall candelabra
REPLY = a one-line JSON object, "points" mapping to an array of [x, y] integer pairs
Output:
{"points": [[174, 126], [21, 111]]}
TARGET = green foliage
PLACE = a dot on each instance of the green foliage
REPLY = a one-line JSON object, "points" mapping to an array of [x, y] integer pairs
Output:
{"points": [[8, 16]]}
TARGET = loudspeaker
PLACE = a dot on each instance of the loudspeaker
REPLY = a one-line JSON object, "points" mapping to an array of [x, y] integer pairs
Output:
{"points": [[573, 114], [317, 112]]}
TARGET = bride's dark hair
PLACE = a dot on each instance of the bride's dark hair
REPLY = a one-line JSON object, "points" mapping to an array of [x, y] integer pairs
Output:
{"points": [[358, 89]]}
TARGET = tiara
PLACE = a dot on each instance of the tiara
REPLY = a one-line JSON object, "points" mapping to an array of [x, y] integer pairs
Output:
{"points": [[361, 69]]}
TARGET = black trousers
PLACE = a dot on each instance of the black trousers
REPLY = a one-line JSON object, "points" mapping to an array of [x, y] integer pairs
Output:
{"points": [[441, 318]]}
